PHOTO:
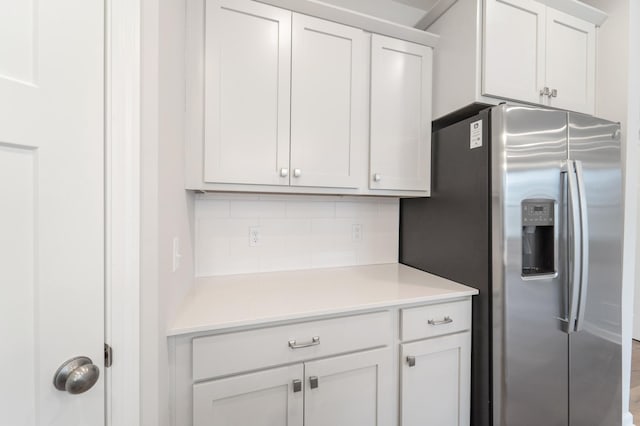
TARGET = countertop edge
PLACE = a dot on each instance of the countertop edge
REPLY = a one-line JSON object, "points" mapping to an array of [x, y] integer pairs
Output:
{"points": [[177, 332]]}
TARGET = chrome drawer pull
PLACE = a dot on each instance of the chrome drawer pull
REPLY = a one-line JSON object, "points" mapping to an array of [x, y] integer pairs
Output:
{"points": [[446, 320], [411, 360], [297, 385], [314, 342]]}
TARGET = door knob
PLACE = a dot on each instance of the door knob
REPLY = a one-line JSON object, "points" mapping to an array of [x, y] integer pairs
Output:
{"points": [[77, 375], [297, 172], [284, 172], [377, 177]]}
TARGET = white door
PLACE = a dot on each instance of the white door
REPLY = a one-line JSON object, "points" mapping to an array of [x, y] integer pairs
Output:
{"points": [[436, 381], [514, 43], [51, 215], [571, 62], [401, 76], [247, 93], [349, 390], [267, 398], [328, 102]]}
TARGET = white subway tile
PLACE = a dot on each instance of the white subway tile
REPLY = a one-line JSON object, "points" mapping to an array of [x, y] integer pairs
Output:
{"points": [[297, 232], [292, 261], [389, 209], [334, 258], [257, 209], [356, 209], [311, 209], [208, 209]]}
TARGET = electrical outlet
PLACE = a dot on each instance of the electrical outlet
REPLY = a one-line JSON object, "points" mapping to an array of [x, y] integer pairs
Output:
{"points": [[254, 236], [356, 232]]}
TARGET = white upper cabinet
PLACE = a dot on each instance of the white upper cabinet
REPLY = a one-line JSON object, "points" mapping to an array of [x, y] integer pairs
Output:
{"points": [[536, 54], [514, 59], [280, 100], [571, 48], [247, 92], [400, 148], [328, 103], [531, 51]]}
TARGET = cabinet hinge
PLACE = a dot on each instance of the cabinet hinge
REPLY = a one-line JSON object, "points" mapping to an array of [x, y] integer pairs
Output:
{"points": [[108, 355]]}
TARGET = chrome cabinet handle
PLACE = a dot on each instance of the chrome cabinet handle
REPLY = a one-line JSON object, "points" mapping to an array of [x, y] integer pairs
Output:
{"points": [[297, 385], [313, 382], [411, 360], [77, 375], [314, 342], [446, 320], [545, 91], [554, 93], [297, 172], [284, 172], [377, 177]]}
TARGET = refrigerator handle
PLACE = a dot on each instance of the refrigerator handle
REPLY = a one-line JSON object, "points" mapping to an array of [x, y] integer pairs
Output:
{"points": [[575, 239], [584, 246]]}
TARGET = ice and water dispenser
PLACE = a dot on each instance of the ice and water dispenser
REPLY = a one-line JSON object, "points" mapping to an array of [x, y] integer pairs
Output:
{"points": [[538, 231]]}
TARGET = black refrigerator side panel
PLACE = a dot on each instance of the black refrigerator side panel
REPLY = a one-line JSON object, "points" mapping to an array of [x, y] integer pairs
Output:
{"points": [[449, 234]]}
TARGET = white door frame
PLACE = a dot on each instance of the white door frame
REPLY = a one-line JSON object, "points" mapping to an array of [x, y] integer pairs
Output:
{"points": [[122, 204]]}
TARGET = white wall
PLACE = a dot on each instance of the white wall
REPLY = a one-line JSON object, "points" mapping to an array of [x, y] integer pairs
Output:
{"points": [[297, 232], [166, 206], [616, 99], [150, 391]]}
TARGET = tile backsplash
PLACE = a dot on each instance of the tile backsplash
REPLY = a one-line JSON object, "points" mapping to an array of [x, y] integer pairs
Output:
{"points": [[294, 232]]}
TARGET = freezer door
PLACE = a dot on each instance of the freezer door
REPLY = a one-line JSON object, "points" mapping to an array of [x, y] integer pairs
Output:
{"points": [[595, 349], [530, 346]]}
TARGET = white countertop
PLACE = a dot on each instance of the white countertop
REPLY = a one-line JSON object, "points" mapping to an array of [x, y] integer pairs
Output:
{"points": [[222, 302]]}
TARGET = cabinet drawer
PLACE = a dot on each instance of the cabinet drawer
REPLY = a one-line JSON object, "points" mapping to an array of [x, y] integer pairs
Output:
{"points": [[227, 354], [435, 320]]}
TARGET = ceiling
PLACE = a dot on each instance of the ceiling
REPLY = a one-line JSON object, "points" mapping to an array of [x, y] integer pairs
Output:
{"points": [[405, 12]]}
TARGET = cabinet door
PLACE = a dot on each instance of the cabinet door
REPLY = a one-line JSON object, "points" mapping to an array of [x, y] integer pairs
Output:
{"points": [[350, 390], [435, 390], [247, 92], [266, 398], [401, 75], [328, 103], [571, 51], [514, 43]]}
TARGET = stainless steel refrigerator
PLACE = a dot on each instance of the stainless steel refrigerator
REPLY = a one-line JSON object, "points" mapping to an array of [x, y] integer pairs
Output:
{"points": [[526, 206]]}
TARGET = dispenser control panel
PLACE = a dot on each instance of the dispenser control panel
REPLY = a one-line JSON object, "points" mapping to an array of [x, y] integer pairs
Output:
{"points": [[538, 238], [537, 213]]}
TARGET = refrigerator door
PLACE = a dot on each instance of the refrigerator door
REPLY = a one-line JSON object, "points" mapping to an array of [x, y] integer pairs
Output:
{"points": [[530, 346], [595, 348]]}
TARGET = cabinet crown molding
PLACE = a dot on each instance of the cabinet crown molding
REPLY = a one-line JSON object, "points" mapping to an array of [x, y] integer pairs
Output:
{"points": [[352, 18], [578, 9]]}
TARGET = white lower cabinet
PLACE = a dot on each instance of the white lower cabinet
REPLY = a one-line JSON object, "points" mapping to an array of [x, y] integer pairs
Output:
{"points": [[258, 399], [436, 380], [406, 366], [435, 373], [345, 390], [350, 390]]}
